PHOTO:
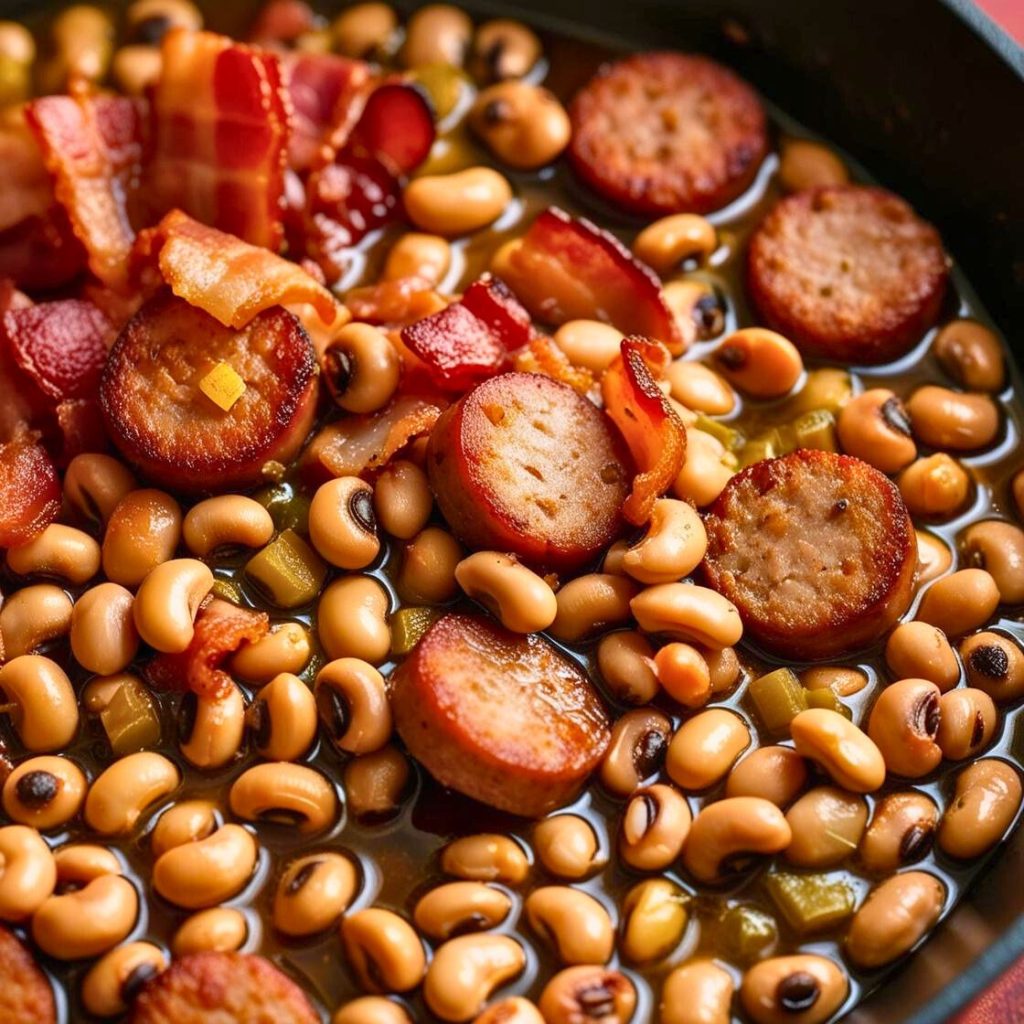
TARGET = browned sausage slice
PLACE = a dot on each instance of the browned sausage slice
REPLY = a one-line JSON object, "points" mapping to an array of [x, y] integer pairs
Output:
{"points": [[500, 717], [237, 987], [662, 133], [165, 423], [816, 550], [524, 464], [25, 993], [848, 273]]}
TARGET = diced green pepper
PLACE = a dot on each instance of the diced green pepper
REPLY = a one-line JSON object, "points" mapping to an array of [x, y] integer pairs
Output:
{"points": [[747, 933], [823, 697], [288, 572], [828, 388], [810, 903], [444, 85], [408, 626], [227, 590], [778, 698], [130, 719], [730, 437], [815, 429], [287, 507], [765, 446]]}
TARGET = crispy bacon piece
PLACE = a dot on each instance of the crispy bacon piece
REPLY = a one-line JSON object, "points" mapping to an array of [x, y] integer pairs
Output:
{"points": [[29, 490], [492, 301], [356, 445], [80, 422], [227, 278], [27, 191], [543, 356], [41, 252], [220, 629], [92, 146], [282, 21], [654, 433], [220, 116], [394, 303], [61, 345], [569, 269]]}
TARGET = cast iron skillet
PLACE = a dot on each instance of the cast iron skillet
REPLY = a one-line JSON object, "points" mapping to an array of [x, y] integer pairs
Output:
{"points": [[929, 96]]}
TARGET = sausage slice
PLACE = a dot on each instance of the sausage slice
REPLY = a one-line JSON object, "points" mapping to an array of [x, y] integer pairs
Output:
{"points": [[501, 717], [662, 133], [524, 464], [26, 996], [816, 550], [163, 421], [848, 273], [237, 987]]}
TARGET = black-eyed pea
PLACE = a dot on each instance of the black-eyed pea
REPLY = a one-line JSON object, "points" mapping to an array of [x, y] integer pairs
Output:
{"points": [[186, 821], [684, 674], [960, 602], [776, 774], [219, 930], [654, 828], [576, 925], [457, 204], [28, 872], [361, 367], [364, 30], [705, 747], [466, 971], [88, 921], [725, 829], [383, 950], [426, 573], [684, 611], [211, 729], [418, 255], [520, 599], [636, 751], [698, 992], [699, 388], [142, 532], [705, 472], [167, 601], [32, 617], [896, 914], [804, 988], [136, 67], [128, 788], [723, 668], [504, 49], [986, 799], [372, 1010], [995, 664], [376, 783], [625, 660], [666, 243], [104, 639], [759, 362], [654, 918], [352, 619], [611, 564], [458, 907], [919, 650], [111, 984], [998, 547], [574, 995], [955, 420], [94, 484], [436, 34], [901, 831], [44, 792], [283, 718], [968, 723], [514, 1010], [228, 520], [805, 164], [42, 704], [286, 648], [840, 679], [934, 557], [60, 551], [673, 546], [523, 125], [589, 343], [286, 793], [827, 825], [79, 863], [935, 486], [842, 749], [149, 20], [207, 871], [402, 499], [904, 724], [567, 846], [485, 858], [352, 702], [313, 893], [971, 354], [875, 427], [592, 603], [342, 523]]}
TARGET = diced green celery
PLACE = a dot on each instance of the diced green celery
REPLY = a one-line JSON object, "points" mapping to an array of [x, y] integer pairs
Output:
{"points": [[828, 388], [288, 572], [730, 438], [287, 507], [778, 698], [815, 429], [130, 719], [227, 590], [823, 697], [764, 446], [747, 933], [444, 85], [810, 903], [408, 626]]}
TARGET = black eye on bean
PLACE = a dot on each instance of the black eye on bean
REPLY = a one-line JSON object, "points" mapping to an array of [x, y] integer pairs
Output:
{"points": [[37, 789], [798, 992]]}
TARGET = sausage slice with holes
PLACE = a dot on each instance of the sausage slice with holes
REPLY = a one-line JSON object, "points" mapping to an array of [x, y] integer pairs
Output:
{"points": [[500, 717], [211, 987], [816, 550], [661, 133], [848, 273], [26, 996], [166, 425], [524, 464]]}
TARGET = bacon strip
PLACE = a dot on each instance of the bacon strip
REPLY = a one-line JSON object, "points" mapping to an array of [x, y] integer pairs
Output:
{"points": [[92, 146], [227, 278], [27, 190], [29, 490], [653, 432], [221, 119]]}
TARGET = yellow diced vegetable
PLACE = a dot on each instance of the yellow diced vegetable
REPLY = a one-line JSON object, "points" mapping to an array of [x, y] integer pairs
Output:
{"points": [[778, 698], [288, 572], [222, 386], [810, 903], [130, 719]]}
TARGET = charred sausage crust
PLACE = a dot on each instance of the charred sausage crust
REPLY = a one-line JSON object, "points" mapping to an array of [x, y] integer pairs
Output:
{"points": [[26, 996]]}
